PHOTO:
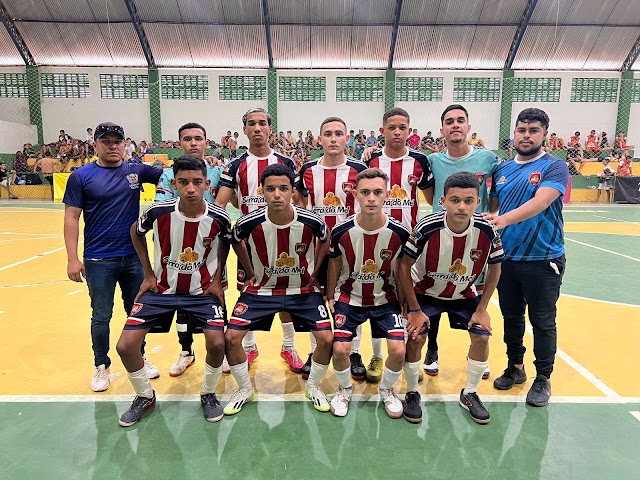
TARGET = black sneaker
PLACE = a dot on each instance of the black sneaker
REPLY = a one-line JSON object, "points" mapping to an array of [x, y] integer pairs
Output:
{"points": [[472, 404], [539, 392], [306, 368], [139, 407], [212, 408], [412, 410], [510, 377], [431, 363], [358, 370]]}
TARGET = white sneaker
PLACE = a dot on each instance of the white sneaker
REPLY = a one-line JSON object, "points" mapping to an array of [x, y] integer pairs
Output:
{"points": [[150, 369], [100, 380], [486, 374], [392, 404], [340, 401], [185, 360], [238, 399], [319, 399], [225, 365]]}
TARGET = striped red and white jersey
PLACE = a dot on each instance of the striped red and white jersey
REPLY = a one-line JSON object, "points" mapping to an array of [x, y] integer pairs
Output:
{"points": [[447, 263], [407, 175], [330, 189], [367, 277], [283, 256], [185, 249], [243, 176]]}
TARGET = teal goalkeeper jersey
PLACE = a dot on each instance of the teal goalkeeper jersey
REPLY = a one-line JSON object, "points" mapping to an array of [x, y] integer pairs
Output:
{"points": [[164, 190], [480, 161]]}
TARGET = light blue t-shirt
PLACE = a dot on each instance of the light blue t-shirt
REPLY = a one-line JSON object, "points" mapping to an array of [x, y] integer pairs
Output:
{"points": [[164, 190], [479, 161]]}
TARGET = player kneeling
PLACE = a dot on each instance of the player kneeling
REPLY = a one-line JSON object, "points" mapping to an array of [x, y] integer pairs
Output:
{"points": [[443, 258], [185, 278], [361, 286], [281, 240]]}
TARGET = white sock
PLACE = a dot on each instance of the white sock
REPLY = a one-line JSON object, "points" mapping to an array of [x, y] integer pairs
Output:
{"points": [[475, 370], [140, 383], [241, 373], [389, 378], [314, 342], [318, 371], [288, 334], [376, 344], [344, 377], [249, 341], [210, 380], [411, 373], [355, 341]]}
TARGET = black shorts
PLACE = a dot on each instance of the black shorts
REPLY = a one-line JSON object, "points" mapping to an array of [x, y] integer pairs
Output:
{"points": [[458, 311], [386, 321], [155, 311]]}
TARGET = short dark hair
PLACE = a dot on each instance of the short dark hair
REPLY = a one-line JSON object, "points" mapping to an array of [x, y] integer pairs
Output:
{"points": [[455, 106], [190, 125], [577, 133], [372, 173], [462, 180], [395, 111], [277, 170], [254, 110], [333, 119], [189, 162], [529, 115]]}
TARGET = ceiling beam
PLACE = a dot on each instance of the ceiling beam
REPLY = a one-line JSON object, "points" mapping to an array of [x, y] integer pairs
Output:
{"points": [[267, 30], [16, 37], [632, 57], [137, 24], [394, 34], [517, 38]]}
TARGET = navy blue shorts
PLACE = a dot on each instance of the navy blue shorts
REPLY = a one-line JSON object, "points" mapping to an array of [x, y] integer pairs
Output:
{"points": [[155, 311], [458, 311], [256, 312], [386, 321]]}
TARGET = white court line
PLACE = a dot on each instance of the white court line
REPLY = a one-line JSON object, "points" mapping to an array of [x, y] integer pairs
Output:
{"points": [[74, 292], [617, 220], [599, 301], [33, 234], [603, 249], [636, 414], [299, 397], [43, 237], [590, 377], [31, 258]]}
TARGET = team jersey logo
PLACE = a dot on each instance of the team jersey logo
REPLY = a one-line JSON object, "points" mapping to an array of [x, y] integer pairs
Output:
{"points": [[398, 192], [413, 180], [502, 180], [260, 191], [285, 265], [132, 178], [207, 241], [340, 319], [386, 254], [213, 191], [330, 200], [369, 272], [257, 199], [136, 308], [284, 260], [301, 248], [241, 275], [398, 198], [240, 308], [348, 187], [458, 267], [189, 256], [188, 261], [534, 178], [369, 267], [475, 254], [480, 177], [331, 205]]}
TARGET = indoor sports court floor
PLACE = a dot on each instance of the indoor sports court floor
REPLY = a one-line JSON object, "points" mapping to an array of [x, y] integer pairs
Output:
{"points": [[54, 427]]}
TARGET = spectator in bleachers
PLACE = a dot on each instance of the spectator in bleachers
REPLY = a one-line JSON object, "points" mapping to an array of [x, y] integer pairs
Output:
{"points": [[89, 139], [620, 143], [310, 141], [625, 166], [224, 141], [289, 138], [605, 179], [591, 145], [414, 139], [351, 144], [555, 143], [372, 141], [21, 167], [7, 178], [360, 143], [47, 166], [603, 142], [63, 139], [474, 141], [428, 142], [233, 145], [381, 141]]}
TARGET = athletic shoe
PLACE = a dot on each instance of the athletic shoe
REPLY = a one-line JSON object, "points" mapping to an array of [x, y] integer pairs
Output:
{"points": [[392, 404], [539, 392], [340, 401], [306, 368], [150, 369], [100, 380], [472, 404], [237, 401], [252, 354], [225, 365], [412, 410], [510, 377], [319, 399], [212, 409], [139, 407], [290, 356], [374, 370], [358, 371], [185, 360], [431, 363], [486, 373]]}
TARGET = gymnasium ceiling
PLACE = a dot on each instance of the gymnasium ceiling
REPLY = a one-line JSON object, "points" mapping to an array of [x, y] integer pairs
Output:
{"points": [[358, 34]]}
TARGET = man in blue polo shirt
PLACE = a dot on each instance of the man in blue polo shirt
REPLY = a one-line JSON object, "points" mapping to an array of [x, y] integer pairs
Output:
{"points": [[107, 193], [529, 188]]}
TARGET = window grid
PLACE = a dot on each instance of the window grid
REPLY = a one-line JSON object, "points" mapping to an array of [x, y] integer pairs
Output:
{"points": [[635, 95], [359, 89], [65, 85], [594, 90], [419, 89], [13, 85], [302, 89], [124, 86], [185, 87], [536, 89], [235, 87], [484, 89]]}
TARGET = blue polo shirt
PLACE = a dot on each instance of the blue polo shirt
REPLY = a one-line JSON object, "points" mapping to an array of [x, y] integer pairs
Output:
{"points": [[110, 201]]}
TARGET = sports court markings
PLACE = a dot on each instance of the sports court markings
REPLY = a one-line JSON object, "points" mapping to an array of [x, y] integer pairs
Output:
{"points": [[31, 258], [599, 301], [636, 414], [590, 377], [617, 220], [75, 292], [603, 249]]}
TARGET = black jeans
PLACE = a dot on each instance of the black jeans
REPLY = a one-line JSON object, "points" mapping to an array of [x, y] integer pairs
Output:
{"points": [[535, 285]]}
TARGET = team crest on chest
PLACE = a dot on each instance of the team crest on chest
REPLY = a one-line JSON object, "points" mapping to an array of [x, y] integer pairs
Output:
{"points": [[331, 200], [413, 180], [136, 308], [475, 254], [206, 241], [348, 187], [340, 319], [301, 248], [480, 177], [132, 178], [386, 254], [534, 178], [240, 308], [213, 191]]}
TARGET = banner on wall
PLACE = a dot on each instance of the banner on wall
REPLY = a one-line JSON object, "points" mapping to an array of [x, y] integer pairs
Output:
{"points": [[627, 190], [147, 194]]}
